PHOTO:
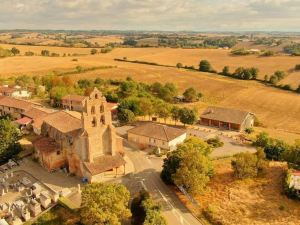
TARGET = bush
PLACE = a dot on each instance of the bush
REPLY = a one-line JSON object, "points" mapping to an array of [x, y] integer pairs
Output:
{"points": [[248, 165], [215, 142], [249, 130], [267, 53], [205, 66], [145, 211], [297, 67]]}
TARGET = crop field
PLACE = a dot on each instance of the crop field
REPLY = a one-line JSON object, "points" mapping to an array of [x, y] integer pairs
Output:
{"points": [[276, 109]]}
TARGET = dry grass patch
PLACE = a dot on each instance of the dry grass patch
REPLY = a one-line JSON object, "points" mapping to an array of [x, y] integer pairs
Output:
{"points": [[253, 201]]}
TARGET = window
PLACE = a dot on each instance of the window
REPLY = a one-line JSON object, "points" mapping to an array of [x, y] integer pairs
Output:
{"points": [[101, 108], [93, 110], [102, 120], [58, 153], [94, 122], [96, 96]]}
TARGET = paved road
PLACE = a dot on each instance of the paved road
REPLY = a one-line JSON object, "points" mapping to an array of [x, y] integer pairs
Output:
{"points": [[146, 176]]}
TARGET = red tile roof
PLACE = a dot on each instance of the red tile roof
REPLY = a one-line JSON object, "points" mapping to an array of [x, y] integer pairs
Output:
{"points": [[157, 131], [104, 163], [63, 121], [23, 121], [225, 115], [15, 103], [78, 98]]}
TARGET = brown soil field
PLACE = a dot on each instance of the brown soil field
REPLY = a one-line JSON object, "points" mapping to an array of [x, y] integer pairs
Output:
{"points": [[253, 201], [276, 109]]}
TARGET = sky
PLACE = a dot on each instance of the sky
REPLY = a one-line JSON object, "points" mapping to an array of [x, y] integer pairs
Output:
{"points": [[168, 15]]}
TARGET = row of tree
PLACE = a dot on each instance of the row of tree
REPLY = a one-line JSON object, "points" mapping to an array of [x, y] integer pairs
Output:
{"points": [[278, 150], [132, 107]]}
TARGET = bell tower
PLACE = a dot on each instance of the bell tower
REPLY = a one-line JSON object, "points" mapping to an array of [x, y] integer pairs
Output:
{"points": [[97, 126]]}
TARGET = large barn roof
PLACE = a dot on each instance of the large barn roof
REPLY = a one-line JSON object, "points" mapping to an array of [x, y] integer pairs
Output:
{"points": [[225, 114]]}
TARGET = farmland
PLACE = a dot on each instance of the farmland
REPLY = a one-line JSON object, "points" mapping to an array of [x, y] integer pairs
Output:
{"points": [[275, 108]]}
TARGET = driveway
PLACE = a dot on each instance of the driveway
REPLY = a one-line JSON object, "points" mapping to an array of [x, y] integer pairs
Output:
{"points": [[229, 148]]}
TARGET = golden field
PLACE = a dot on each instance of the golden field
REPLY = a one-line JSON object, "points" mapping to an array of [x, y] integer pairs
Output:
{"points": [[276, 109], [168, 56]]}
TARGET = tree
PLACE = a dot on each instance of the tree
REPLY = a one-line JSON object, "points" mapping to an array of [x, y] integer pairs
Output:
{"points": [[191, 95], [93, 51], [15, 51], [248, 165], [172, 162], [175, 113], [9, 136], [163, 110], [194, 172], [127, 89], [104, 204], [179, 65], [205, 66], [45, 53], [298, 89], [276, 149], [262, 140], [125, 116], [225, 71], [145, 211], [188, 116], [146, 107]]}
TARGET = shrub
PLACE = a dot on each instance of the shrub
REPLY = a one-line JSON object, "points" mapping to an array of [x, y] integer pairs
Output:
{"points": [[205, 66], [29, 53], [297, 67], [267, 53], [249, 130], [248, 165], [215, 142], [179, 65]]}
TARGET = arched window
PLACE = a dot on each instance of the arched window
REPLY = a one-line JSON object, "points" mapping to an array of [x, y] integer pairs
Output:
{"points": [[102, 120], [94, 122], [102, 108], [96, 96], [93, 110]]}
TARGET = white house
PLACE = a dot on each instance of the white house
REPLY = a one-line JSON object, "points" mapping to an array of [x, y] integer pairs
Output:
{"points": [[158, 135], [295, 180]]}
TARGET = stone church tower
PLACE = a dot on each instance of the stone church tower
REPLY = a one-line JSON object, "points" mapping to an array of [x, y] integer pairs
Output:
{"points": [[97, 127]]}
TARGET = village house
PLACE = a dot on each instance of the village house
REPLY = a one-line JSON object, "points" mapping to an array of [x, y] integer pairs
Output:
{"points": [[84, 143], [157, 135], [75, 103], [15, 92], [295, 180], [25, 113], [227, 119]]}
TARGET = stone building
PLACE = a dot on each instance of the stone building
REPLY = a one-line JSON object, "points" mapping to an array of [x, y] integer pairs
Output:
{"points": [[157, 135], [84, 143], [227, 119]]}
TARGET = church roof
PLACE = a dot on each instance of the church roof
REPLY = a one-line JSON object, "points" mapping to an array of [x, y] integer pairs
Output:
{"points": [[64, 121], [104, 163]]}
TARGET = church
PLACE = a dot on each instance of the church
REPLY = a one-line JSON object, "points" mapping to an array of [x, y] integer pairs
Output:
{"points": [[84, 143]]}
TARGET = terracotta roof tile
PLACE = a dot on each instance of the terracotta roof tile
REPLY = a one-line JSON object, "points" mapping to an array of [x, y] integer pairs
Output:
{"points": [[104, 163], [78, 98], [157, 131], [225, 114], [15, 103], [64, 121]]}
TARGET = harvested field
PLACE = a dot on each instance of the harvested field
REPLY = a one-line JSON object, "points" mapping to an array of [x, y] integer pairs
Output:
{"points": [[253, 201], [274, 108]]}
